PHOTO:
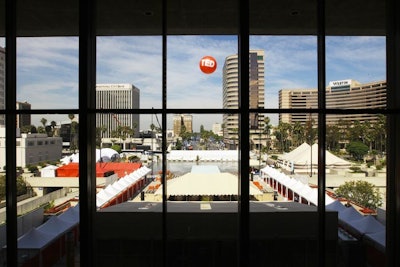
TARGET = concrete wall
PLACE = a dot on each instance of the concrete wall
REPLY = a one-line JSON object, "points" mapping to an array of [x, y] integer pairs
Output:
{"points": [[34, 203]]}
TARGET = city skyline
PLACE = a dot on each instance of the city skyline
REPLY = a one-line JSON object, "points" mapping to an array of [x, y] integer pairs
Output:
{"points": [[50, 66]]}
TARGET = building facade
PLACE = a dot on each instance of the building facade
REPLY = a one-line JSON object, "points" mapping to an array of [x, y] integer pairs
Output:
{"points": [[217, 129], [180, 120], [256, 94], [343, 94], [23, 119], [117, 96], [32, 148]]}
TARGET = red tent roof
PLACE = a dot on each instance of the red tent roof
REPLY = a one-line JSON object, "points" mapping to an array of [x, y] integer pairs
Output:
{"points": [[120, 168]]}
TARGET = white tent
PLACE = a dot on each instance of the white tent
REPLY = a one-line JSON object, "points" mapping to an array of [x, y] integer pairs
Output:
{"points": [[198, 184], [48, 171], [203, 155], [105, 154], [305, 154], [115, 189]]}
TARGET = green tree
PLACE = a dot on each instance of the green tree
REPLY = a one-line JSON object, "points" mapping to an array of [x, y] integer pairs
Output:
{"points": [[298, 134], [29, 129], [332, 137], [361, 192], [43, 121], [117, 148], [123, 133], [41, 129], [99, 134], [357, 150], [21, 187], [178, 145], [282, 133], [47, 129], [184, 134]]}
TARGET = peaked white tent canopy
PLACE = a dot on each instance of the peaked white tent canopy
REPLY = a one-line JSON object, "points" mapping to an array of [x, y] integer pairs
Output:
{"points": [[304, 155]]}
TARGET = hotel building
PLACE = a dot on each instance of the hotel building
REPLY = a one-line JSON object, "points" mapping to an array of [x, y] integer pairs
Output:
{"points": [[231, 94], [117, 96], [343, 94]]}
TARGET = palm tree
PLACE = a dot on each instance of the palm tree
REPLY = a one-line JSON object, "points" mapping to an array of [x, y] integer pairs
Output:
{"points": [[99, 134], [43, 121], [123, 132]]}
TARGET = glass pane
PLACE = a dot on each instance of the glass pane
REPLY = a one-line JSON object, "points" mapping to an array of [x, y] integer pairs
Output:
{"points": [[197, 70], [357, 77], [41, 191], [129, 79], [357, 179], [290, 70], [289, 162], [47, 72], [136, 62], [202, 186]]}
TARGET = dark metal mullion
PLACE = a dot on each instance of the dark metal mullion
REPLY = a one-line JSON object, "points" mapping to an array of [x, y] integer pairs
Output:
{"points": [[243, 64], [11, 143], [393, 133], [321, 132], [164, 135], [87, 118]]}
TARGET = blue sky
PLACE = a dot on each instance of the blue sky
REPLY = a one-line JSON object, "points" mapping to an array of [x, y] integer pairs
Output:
{"points": [[47, 68]]}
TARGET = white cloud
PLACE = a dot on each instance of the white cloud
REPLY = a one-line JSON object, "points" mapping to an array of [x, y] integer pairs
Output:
{"points": [[48, 67]]}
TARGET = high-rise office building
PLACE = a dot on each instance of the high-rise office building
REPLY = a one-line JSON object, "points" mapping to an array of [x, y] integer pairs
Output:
{"points": [[343, 94], [117, 96], [180, 120], [23, 119], [2, 83], [231, 93]]}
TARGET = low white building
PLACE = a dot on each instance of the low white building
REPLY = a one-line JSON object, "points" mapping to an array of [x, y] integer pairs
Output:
{"points": [[32, 148]]}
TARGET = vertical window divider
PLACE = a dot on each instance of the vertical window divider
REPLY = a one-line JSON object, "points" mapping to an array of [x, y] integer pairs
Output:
{"points": [[393, 133], [321, 51], [244, 157], [164, 236], [11, 143], [87, 142]]}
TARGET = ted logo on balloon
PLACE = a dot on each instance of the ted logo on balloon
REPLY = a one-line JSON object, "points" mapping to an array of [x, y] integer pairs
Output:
{"points": [[208, 64]]}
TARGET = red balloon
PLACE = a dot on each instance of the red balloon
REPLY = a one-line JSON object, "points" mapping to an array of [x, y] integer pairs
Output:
{"points": [[208, 64]]}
